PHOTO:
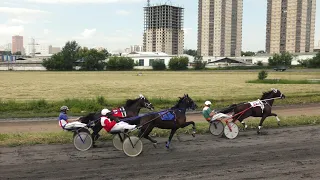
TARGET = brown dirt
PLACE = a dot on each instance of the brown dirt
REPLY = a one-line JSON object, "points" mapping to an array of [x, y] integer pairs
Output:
{"points": [[285, 153], [51, 125]]}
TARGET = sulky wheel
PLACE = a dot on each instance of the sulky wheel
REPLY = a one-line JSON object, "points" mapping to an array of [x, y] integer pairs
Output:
{"points": [[118, 141], [216, 128], [82, 141], [132, 146], [233, 133]]}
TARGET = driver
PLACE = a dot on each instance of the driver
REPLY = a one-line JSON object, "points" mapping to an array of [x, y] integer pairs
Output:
{"points": [[63, 117], [112, 124], [207, 112]]}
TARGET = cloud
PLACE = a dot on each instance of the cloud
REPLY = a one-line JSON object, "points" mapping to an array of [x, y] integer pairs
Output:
{"points": [[122, 12], [87, 33], [18, 21], [187, 30], [19, 11], [83, 1], [11, 30], [46, 31]]}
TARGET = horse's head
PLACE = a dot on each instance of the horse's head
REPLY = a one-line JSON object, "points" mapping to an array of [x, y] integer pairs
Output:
{"points": [[274, 93], [186, 102], [87, 118], [144, 102]]}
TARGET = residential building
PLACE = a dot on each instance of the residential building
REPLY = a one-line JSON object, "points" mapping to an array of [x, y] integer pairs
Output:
{"points": [[163, 29], [136, 48], [17, 44], [220, 28], [290, 26], [55, 50]]}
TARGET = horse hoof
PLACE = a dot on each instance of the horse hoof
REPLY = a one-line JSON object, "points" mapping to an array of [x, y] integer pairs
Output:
{"points": [[258, 132], [193, 134], [155, 145], [278, 124]]}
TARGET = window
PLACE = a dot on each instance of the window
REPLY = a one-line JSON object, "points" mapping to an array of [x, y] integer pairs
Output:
{"points": [[141, 62], [151, 62]]}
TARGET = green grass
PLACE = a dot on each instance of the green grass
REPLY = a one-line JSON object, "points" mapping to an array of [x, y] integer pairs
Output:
{"points": [[282, 81], [17, 139], [38, 94], [78, 107]]}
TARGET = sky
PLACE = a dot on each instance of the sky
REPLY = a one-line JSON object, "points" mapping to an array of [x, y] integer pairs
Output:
{"points": [[114, 24]]}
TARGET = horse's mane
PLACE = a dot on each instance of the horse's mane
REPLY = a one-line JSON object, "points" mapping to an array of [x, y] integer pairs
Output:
{"points": [[176, 106], [266, 94], [130, 102]]}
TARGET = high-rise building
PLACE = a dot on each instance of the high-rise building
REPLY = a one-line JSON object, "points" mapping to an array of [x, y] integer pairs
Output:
{"points": [[290, 26], [163, 29], [136, 48], [17, 44], [220, 27]]}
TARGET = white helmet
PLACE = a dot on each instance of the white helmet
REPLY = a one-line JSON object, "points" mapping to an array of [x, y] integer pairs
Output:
{"points": [[207, 103], [105, 112]]}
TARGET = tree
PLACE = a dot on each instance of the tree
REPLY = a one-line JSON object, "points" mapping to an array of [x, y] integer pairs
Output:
{"points": [[158, 65], [259, 63], [198, 63], [17, 53], [93, 60], [262, 75], [120, 63], [261, 52], [311, 63], [64, 60], [248, 53], [179, 63], [284, 59], [55, 62], [190, 52]]}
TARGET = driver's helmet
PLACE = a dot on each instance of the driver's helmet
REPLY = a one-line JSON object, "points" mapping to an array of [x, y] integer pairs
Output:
{"points": [[105, 112], [207, 103], [64, 108]]}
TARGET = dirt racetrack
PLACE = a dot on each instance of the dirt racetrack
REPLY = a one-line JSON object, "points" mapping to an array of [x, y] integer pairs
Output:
{"points": [[51, 124], [284, 153]]}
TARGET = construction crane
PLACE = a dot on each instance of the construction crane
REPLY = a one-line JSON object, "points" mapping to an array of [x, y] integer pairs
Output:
{"points": [[148, 3]]}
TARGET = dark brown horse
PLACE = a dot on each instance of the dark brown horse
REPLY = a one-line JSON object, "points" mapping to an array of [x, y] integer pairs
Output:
{"points": [[132, 108], [260, 108], [173, 119]]}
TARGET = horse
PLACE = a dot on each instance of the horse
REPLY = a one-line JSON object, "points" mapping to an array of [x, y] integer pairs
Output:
{"points": [[260, 108], [176, 120], [130, 109]]}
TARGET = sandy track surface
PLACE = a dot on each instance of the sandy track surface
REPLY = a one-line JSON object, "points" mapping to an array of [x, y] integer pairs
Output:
{"points": [[51, 124], [284, 153]]}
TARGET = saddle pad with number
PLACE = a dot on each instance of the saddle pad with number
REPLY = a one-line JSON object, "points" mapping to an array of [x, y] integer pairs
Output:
{"points": [[167, 116], [257, 103], [119, 112]]}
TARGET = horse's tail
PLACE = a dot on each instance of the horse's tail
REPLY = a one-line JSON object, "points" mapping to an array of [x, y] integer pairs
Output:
{"points": [[228, 109]]}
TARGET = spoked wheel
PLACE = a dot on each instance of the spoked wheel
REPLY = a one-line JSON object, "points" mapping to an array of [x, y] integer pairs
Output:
{"points": [[216, 128], [132, 146], [118, 141], [82, 141], [233, 133]]}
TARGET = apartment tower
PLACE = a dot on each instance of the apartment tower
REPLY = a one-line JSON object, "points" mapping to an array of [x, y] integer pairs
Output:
{"points": [[290, 26], [17, 44], [163, 29], [220, 27]]}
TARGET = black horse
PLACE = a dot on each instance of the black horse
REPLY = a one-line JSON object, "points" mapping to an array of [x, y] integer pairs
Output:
{"points": [[132, 108], [261, 108], [176, 120]]}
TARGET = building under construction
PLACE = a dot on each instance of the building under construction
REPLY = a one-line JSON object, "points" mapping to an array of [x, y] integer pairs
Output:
{"points": [[163, 29]]}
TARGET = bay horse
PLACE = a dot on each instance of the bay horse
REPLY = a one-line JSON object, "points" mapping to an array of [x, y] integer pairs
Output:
{"points": [[177, 119], [260, 108], [132, 108]]}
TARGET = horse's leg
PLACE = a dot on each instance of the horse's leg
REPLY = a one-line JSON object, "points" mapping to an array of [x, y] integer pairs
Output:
{"points": [[145, 133], [278, 120], [193, 127], [261, 122], [170, 137], [95, 135]]}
